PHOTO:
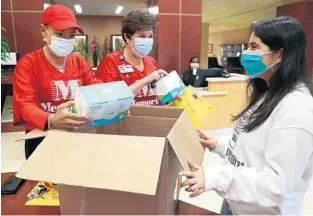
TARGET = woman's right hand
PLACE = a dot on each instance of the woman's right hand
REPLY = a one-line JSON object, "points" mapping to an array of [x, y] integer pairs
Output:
{"points": [[207, 141], [64, 119], [155, 75]]}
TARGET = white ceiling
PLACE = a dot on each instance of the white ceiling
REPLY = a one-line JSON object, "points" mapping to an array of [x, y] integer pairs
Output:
{"points": [[103, 7], [233, 14], [222, 15]]}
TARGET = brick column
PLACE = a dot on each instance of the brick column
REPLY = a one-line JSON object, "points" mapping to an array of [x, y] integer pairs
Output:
{"points": [[178, 36]]}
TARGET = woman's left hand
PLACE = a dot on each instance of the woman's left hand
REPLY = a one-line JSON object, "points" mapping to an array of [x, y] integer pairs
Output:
{"points": [[195, 179]]}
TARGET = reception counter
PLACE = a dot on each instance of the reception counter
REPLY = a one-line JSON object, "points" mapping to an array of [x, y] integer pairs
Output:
{"points": [[227, 96]]}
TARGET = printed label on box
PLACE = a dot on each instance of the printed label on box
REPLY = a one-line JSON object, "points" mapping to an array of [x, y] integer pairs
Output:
{"points": [[104, 103]]}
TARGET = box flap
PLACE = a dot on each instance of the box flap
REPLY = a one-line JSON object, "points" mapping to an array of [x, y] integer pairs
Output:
{"points": [[124, 163], [33, 135], [185, 141], [155, 111]]}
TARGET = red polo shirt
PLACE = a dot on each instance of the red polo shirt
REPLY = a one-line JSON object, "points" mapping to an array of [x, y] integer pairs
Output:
{"points": [[39, 88], [113, 67]]}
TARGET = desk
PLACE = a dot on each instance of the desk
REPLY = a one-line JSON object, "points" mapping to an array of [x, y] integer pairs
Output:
{"points": [[227, 96], [6, 77], [14, 204], [6, 80]]}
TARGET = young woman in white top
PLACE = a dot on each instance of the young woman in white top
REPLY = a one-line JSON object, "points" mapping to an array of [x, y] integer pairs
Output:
{"points": [[268, 162]]}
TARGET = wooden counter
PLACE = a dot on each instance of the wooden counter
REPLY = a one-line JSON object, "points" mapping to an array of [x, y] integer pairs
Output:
{"points": [[227, 96]]}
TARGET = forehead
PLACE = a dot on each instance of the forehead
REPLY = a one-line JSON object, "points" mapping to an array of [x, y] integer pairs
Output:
{"points": [[255, 39], [145, 31]]}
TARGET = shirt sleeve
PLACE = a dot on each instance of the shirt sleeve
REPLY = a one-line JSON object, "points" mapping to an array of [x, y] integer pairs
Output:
{"points": [[26, 105], [287, 152], [89, 76], [107, 71], [221, 145]]}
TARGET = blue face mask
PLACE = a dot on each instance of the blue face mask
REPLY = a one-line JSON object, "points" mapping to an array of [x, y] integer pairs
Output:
{"points": [[143, 46], [253, 64]]}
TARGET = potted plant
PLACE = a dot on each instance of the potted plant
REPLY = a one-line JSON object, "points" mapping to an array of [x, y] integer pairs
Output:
{"points": [[4, 47]]}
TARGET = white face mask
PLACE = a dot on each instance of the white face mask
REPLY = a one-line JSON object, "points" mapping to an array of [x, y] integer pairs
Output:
{"points": [[61, 47], [194, 65]]}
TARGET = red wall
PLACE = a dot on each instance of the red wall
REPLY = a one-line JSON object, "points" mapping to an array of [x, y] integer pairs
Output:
{"points": [[22, 19], [303, 12]]}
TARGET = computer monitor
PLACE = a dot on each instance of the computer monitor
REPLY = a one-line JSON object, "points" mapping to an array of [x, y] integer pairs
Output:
{"points": [[213, 63], [206, 73], [233, 62], [10, 62]]}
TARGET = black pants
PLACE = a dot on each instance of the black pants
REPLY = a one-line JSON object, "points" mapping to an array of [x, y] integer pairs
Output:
{"points": [[225, 210], [31, 145]]}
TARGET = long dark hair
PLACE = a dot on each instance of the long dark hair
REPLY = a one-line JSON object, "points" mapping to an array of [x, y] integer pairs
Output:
{"points": [[280, 33]]}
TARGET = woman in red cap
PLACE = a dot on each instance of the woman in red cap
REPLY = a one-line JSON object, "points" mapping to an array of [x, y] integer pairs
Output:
{"points": [[133, 63], [45, 80]]}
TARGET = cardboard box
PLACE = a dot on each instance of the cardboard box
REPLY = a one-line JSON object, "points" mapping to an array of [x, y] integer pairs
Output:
{"points": [[128, 167], [169, 87], [197, 108], [104, 103]]}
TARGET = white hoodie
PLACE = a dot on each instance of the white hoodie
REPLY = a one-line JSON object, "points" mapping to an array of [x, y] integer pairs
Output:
{"points": [[268, 170]]}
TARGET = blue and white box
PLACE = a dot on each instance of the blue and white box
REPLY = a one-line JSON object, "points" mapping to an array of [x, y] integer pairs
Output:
{"points": [[104, 103], [169, 87]]}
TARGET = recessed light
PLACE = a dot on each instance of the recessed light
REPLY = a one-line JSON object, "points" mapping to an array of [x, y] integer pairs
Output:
{"points": [[119, 9], [154, 10], [78, 8], [45, 5]]}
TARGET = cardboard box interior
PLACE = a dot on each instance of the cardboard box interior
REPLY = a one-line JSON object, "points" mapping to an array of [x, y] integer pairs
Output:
{"points": [[129, 167]]}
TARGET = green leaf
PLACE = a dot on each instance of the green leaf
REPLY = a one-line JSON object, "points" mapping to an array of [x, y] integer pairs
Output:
{"points": [[4, 48]]}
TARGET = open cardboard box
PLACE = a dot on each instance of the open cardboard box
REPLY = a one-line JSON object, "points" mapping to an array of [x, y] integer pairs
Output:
{"points": [[129, 167]]}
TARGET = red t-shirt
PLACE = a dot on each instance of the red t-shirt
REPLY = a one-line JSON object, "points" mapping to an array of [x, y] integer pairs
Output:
{"points": [[39, 88], [113, 67]]}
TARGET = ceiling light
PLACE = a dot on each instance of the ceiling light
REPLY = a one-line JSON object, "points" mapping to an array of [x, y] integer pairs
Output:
{"points": [[154, 10], [45, 5], [119, 9], [78, 8]]}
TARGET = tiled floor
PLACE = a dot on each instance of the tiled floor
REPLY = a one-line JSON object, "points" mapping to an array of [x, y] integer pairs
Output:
{"points": [[12, 158]]}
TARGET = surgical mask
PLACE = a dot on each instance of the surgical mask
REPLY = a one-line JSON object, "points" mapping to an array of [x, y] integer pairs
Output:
{"points": [[143, 46], [253, 64], [61, 47], [194, 65]]}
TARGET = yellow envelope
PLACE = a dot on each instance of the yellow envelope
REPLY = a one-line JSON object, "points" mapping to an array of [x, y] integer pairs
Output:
{"points": [[197, 109], [49, 198]]}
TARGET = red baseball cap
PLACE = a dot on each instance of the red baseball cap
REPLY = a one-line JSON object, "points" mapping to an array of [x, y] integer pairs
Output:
{"points": [[60, 18]]}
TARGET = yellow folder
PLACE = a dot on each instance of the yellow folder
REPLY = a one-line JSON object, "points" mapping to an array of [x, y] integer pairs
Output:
{"points": [[197, 108], [49, 198]]}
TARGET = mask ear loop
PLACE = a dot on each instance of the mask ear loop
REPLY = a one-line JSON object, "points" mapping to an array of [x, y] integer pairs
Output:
{"points": [[130, 37], [274, 66], [45, 39]]}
